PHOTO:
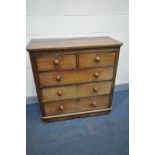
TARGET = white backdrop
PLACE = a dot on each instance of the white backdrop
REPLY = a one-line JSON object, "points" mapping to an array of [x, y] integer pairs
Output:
{"points": [[77, 18]]}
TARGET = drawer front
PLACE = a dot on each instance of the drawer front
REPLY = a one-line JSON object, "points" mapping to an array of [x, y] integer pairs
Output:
{"points": [[71, 106], [61, 62], [88, 60], [68, 77], [83, 90]]}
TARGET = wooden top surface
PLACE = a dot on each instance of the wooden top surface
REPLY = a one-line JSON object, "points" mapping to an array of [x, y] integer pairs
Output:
{"points": [[72, 43]]}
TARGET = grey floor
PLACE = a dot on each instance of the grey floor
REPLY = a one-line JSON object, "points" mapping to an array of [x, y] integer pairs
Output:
{"points": [[99, 135]]}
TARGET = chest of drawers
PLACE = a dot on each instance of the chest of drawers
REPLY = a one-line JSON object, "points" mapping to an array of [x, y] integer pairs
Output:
{"points": [[74, 77]]}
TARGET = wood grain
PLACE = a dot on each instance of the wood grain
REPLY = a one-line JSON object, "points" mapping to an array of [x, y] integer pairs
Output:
{"points": [[72, 43], [66, 62], [81, 114], [72, 77], [71, 92], [71, 106], [89, 59]]}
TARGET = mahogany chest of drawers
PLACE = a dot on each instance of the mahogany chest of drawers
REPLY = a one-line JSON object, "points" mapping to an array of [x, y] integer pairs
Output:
{"points": [[74, 77]]}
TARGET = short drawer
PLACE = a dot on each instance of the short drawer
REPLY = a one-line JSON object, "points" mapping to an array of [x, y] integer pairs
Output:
{"points": [[61, 62], [87, 60], [70, 77], [70, 92], [72, 106]]}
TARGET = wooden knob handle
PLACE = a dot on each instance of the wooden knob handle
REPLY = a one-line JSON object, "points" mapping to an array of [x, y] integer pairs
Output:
{"points": [[56, 62], [58, 78], [59, 93], [96, 74], [97, 59], [61, 108], [95, 89], [93, 104]]}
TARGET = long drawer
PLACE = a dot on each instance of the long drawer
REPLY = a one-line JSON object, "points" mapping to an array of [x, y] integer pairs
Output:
{"points": [[71, 106], [70, 77], [76, 91]]}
